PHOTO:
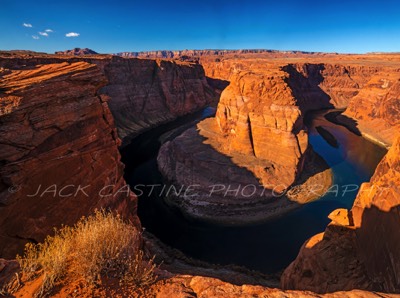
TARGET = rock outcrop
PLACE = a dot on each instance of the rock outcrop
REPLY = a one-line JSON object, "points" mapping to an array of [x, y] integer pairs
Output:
{"points": [[59, 145], [376, 108], [58, 150], [257, 144], [77, 52], [198, 286], [147, 93], [360, 248]]}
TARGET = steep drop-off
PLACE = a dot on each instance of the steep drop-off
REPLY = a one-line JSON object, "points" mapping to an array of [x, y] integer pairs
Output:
{"points": [[376, 108], [361, 247], [147, 93], [257, 144], [57, 129], [59, 141], [58, 151]]}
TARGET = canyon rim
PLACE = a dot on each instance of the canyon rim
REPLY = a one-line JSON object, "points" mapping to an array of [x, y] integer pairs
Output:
{"points": [[129, 171]]}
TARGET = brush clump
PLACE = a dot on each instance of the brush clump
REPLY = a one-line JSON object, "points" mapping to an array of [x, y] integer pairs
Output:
{"points": [[101, 245]]}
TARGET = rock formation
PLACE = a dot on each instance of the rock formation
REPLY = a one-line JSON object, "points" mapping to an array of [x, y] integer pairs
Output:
{"points": [[256, 141], [59, 145], [359, 249], [258, 136], [58, 133], [77, 52], [198, 286], [147, 93], [376, 108], [58, 151]]}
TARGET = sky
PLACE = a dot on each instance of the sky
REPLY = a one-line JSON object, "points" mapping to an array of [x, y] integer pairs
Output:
{"points": [[116, 26]]}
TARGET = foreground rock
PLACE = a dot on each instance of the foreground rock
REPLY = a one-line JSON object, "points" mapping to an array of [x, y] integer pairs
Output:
{"points": [[59, 146], [189, 287], [59, 150], [198, 286], [360, 248]]}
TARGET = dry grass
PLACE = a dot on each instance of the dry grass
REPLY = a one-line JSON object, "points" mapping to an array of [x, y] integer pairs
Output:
{"points": [[97, 246]]}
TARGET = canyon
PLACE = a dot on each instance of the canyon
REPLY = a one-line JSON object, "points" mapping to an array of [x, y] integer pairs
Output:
{"points": [[59, 146], [261, 110], [64, 118]]}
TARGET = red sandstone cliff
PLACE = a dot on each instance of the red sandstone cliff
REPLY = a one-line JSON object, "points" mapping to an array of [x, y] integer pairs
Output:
{"points": [[360, 248], [147, 93], [376, 108], [58, 135], [59, 139], [257, 138]]}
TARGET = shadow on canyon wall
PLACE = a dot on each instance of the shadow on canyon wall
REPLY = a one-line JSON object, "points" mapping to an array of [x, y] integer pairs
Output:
{"points": [[362, 256], [217, 84], [338, 118], [306, 88]]}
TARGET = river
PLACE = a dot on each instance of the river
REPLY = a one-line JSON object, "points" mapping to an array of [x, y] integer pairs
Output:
{"points": [[268, 247]]}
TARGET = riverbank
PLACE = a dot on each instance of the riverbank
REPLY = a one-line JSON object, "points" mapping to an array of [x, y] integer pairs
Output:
{"points": [[338, 118], [228, 193], [353, 162]]}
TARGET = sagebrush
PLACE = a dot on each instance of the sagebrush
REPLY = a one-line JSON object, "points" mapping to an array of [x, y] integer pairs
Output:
{"points": [[97, 246]]}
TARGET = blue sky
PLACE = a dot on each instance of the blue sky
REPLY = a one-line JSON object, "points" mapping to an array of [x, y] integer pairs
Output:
{"points": [[114, 26]]}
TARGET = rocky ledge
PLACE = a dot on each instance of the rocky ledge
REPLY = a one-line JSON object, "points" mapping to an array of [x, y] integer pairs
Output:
{"points": [[62, 121], [58, 150], [360, 248]]}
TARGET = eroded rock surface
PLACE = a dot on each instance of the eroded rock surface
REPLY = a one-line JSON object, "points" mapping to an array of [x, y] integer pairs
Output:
{"points": [[376, 108], [58, 152], [59, 141], [198, 286], [259, 122], [360, 248], [257, 144], [147, 93]]}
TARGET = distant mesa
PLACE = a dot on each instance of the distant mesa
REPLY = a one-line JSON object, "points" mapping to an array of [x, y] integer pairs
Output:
{"points": [[77, 52], [198, 53]]}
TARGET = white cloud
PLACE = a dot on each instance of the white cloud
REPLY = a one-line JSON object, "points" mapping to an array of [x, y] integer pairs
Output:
{"points": [[72, 34], [49, 30], [27, 25], [35, 37], [44, 34]]}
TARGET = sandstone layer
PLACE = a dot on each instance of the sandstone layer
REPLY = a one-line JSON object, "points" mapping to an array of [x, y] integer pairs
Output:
{"points": [[198, 286], [185, 286], [59, 139], [360, 248], [257, 144], [56, 128], [365, 85], [147, 93], [58, 150], [259, 124], [376, 108]]}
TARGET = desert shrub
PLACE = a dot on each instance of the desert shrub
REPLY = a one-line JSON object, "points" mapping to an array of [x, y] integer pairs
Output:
{"points": [[99, 245], [140, 272]]}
